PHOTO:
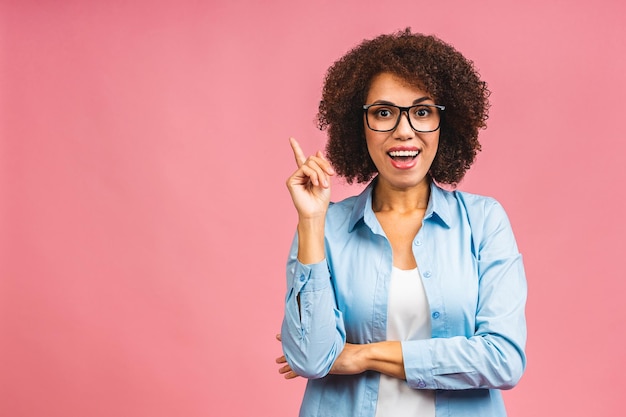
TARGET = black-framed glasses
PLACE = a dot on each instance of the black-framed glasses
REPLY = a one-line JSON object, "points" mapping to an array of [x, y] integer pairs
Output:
{"points": [[423, 118]]}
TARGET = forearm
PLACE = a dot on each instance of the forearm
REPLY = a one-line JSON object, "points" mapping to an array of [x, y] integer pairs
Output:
{"points": [[311, 240], [460, 363], [457, 363], [384, 357]]}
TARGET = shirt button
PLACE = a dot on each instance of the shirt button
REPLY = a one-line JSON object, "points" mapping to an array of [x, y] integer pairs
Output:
{"points": [[418, 242], [427, 274], [302, 278], [421, 384], [436, 315]]}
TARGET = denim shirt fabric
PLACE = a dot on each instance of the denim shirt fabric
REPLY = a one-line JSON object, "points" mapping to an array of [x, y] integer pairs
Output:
{"points": [[474, 280]]}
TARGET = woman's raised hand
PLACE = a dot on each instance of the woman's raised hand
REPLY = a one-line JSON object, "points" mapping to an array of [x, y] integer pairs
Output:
{"points": [[309, 186]]}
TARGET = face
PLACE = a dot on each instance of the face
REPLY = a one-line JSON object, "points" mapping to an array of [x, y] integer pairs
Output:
{"points": [[402, 156]]}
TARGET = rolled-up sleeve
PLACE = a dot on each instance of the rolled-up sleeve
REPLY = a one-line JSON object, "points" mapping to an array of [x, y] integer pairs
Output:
{"points": [[313, 333]]}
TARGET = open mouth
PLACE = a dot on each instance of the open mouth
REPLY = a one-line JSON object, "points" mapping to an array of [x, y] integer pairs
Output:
{"points": [[403, 156]]}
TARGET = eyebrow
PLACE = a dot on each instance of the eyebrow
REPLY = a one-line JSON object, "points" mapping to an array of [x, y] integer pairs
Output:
{"points": [[416, 101]]}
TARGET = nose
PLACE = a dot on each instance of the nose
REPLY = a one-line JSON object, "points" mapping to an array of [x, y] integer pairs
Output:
{"points": [[404, 131]]}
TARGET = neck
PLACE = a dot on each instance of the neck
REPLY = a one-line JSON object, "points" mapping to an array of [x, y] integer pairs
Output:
{"points": [[402, 200]]}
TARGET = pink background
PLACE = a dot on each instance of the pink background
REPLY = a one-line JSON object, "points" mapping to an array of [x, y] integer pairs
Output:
{"points": [[144, 221]]}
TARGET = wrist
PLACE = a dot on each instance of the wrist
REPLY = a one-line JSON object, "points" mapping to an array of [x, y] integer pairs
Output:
{"points": [[372, 355], [312, 218], [311, 248], [365, 357], [386, 357]]}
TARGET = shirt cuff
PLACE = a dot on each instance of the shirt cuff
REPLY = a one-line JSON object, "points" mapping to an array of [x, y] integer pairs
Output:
{"points": [[311, 277], [418, 362]]}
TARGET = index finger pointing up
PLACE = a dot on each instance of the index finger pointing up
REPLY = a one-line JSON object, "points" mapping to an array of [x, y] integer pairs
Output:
{"points": [[297, 152]]}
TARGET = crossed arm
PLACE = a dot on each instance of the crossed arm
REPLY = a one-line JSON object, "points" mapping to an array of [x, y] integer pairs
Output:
{"points": [[309, 187], [384, 357]]}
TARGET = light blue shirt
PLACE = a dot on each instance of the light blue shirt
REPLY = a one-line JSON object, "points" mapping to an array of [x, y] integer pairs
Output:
{"points": [[474, 280]]}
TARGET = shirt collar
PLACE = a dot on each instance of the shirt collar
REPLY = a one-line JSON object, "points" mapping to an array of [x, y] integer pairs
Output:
{"points": [[437, 209], [438, 206]]}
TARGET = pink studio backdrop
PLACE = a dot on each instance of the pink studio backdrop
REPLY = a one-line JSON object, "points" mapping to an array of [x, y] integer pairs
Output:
{"points": [[144, 221]]}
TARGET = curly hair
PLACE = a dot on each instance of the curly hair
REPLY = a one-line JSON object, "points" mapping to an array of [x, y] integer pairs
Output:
{"points": [[425, 62]]}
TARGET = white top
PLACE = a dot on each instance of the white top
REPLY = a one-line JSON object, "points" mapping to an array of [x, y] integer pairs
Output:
{"points": [[408, 318]]}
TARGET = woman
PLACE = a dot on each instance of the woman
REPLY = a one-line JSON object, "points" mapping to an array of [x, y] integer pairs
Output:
{"points": [[406, 300]]}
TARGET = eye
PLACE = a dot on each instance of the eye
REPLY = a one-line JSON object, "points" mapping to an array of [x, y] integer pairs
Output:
{"points": [[422, 112], [383, 113]]}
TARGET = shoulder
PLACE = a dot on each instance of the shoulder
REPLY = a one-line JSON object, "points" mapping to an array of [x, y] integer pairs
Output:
{"points": [[487, 219], [489, 207], [340, 211], [473, 204], [479, 212], [470, 199]]}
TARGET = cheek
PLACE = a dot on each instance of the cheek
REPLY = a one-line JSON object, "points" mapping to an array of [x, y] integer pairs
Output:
{"points": [[374, 146], [436, 145], [433, 142], [370, 142]]}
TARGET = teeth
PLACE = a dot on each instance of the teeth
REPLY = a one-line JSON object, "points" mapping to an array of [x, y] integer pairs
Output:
{"points": [[403, 153]]}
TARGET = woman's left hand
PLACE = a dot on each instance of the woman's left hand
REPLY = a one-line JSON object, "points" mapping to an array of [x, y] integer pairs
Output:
{"points": [[285, 370]]}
